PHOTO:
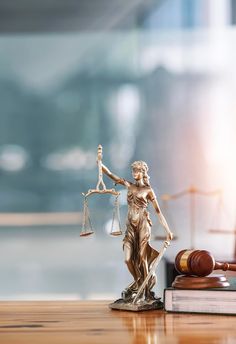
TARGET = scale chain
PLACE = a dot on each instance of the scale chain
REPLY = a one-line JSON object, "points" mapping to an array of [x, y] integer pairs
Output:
{"points": [[116, 215]]}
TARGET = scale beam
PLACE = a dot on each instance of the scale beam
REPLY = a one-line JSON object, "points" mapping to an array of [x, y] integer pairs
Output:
{"points": [[222, 231], [105, 191]]}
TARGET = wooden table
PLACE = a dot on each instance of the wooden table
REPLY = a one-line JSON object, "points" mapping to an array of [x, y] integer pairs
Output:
{"points": [[93, 322]]}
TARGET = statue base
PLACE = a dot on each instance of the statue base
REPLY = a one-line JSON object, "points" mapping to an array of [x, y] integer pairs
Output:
{"points": [[122, 305]]}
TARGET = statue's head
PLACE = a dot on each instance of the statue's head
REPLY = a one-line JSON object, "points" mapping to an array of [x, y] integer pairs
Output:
{"points": [[139, 171]]}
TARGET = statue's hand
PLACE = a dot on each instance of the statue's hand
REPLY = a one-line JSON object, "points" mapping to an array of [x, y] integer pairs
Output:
{"points": [[166, 243], [170, 236]]}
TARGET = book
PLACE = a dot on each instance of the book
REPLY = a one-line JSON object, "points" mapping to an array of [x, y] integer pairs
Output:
{"points": [[212, 301]]}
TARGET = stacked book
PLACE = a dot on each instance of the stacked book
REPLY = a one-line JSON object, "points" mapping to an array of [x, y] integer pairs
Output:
{"points": [[214, 300]]}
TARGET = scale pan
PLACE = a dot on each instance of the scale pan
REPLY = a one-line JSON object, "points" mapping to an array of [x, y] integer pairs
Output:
{"points": [[84, 234], [116, 233]]}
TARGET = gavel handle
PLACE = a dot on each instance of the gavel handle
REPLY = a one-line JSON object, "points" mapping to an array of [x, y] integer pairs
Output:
{"points": [[224, 266]]}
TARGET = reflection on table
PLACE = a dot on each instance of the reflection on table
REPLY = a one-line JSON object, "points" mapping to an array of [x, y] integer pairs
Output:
{"points": [[93, 322]]}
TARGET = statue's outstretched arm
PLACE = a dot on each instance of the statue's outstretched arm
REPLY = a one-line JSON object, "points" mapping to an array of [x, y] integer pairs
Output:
{"points": [[115, 178], [161, 217]]}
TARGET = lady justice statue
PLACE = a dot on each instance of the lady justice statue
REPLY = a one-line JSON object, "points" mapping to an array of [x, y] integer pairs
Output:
{"points": [[140, 257]]}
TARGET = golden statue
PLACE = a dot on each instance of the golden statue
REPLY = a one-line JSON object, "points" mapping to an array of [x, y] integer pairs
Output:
{"points": [[140, 257]]}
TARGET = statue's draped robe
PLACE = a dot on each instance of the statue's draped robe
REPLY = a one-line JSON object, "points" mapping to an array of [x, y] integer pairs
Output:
{"points": [[138, 232]]}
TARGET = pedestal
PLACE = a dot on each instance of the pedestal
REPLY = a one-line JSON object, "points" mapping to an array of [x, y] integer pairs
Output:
{"points": [[121, 305]]}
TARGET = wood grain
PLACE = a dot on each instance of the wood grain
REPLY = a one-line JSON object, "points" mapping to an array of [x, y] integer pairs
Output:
{"points": [[65, 322]]}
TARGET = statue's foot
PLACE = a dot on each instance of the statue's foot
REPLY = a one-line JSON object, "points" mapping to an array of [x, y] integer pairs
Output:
{"points": [[150, 296], [127, 294]]}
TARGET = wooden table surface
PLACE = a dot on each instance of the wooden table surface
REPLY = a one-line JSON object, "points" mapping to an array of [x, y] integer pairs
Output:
{"points": [[93, 322]]}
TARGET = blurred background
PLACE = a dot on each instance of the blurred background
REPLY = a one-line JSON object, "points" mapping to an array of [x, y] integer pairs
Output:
{"points": [[151, 80]]}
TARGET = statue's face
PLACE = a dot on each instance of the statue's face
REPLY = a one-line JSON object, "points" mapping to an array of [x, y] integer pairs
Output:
{"points": [[137, 173]]}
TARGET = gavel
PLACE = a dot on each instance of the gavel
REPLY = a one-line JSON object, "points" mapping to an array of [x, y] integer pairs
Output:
{"points": [[199, 263]]}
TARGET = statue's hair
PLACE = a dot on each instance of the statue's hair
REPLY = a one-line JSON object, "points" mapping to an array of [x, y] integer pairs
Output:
{"points": [[144, 168]]}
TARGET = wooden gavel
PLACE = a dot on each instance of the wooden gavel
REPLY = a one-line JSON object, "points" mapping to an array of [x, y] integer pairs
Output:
{"points": [[199, 263]]}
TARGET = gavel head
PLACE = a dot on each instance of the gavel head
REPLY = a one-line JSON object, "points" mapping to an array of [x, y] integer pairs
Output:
{"points": [[194, 262]]}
